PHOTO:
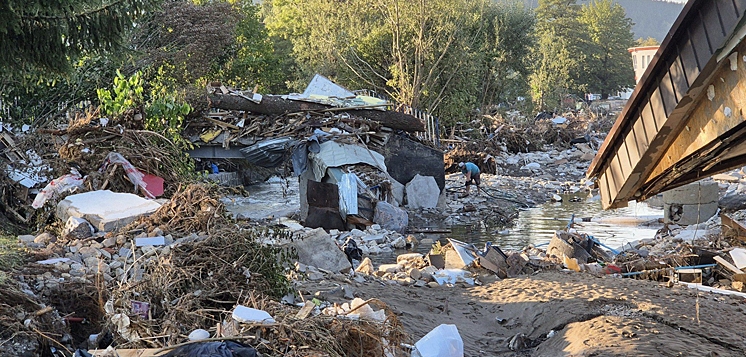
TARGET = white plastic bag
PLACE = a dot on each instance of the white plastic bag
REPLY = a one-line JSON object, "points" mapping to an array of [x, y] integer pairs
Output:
{"points": [[133, 174], [59, 185], [442, 341]]}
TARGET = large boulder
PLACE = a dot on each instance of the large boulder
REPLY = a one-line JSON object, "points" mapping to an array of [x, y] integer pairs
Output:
{"points": [[317, 248], [422, 192], [391, 218], [105, 210]]}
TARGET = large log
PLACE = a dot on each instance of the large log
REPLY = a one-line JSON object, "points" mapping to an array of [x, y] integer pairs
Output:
{"points": [[276, 105]]}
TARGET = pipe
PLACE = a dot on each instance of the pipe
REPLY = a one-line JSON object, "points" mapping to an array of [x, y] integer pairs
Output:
{"points": [[624, 275]]}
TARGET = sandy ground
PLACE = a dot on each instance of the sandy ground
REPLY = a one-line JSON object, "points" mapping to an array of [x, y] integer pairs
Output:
{"points": [[590, 316]]}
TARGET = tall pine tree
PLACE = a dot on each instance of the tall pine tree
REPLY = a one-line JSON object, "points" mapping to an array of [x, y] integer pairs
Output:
{"points": [[49, 33]]}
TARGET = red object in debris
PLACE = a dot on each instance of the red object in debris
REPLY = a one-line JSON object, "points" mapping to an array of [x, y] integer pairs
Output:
{"points": [[74, 319], [612, 269], [154, 184]]}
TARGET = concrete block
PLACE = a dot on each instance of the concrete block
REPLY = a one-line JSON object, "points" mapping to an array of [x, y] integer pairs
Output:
{"points": [[317, 248], [422, 192], [705, 191], [691, 204], [105, 210]]}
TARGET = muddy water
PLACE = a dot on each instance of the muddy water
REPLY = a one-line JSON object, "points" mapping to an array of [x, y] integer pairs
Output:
{"points": [[537, 225]]}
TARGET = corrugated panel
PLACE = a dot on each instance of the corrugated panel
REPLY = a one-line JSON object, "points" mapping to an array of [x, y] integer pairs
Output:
{"points": [[669, 97], [689, 62], [659, 111], [728, 15], [632, 148], [700, 42], [711, 21], [680, 86], [651, 128], [640, 136], [623, 155]]}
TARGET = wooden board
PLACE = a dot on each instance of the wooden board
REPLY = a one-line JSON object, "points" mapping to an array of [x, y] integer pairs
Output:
{"points": [[129, 352]]}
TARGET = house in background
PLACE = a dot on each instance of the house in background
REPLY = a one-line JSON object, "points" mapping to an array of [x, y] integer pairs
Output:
{"points": [[641, 57]]}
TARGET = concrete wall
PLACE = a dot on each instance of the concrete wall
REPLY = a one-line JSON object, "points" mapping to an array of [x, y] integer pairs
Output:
{"points": [[406, 158], [691, 204]]}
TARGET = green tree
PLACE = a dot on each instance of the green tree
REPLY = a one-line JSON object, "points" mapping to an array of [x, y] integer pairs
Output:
{"points": [[650, 41], [506, 50], [607, 68], [447, 57], [559, 53], [51, 33], [184, 45]]}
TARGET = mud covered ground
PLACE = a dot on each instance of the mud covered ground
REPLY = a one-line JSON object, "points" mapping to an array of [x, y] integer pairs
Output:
{"points": [[583, 314]]}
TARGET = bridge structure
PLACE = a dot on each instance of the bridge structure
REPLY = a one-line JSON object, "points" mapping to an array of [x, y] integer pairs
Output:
{"points": [[685, 118]]}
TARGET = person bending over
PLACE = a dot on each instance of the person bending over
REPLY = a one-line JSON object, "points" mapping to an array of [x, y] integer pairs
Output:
{"points": [[471, 171]]}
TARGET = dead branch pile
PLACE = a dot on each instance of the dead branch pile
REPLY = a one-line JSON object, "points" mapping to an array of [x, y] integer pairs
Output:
{"points": [[193, 208], [26, 322], [148, 151], [197, 285]]}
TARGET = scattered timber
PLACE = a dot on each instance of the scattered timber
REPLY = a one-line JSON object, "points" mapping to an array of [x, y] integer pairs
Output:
{"points": [[271, 104]]}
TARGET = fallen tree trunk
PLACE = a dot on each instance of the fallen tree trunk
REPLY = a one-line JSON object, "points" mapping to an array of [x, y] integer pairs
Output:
{"points": [[276, 105]]}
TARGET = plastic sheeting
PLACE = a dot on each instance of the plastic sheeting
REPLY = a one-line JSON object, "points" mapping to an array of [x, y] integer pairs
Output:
{"points": [[333, 154], [65, 183], [267, 153], [133, 174], [442, 341]]}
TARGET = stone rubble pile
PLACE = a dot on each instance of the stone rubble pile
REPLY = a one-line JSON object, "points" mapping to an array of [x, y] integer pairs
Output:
{"points": [[115, 258]]}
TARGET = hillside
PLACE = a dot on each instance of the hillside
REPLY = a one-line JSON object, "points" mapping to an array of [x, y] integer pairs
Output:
{"points": [[652, 18]]}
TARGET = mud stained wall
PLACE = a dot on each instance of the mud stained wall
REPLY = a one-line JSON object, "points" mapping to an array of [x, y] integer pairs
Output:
{"points": [[405, 158]]}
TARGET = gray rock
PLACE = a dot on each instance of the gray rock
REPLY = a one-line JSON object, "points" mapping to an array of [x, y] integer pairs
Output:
{"points": [[77, 228], [110, 242], [319, 249], [349, 292], [422, 192], [125, 252], [45, 238], [26, 238], [86, 252]]}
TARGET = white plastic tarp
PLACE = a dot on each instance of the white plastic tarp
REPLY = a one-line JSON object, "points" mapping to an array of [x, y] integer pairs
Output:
{"points": [[321, 85], [442, 341], [333, 154]]}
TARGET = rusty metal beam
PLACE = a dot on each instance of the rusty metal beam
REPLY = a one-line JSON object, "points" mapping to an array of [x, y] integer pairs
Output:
{"points": [[641, 154]]}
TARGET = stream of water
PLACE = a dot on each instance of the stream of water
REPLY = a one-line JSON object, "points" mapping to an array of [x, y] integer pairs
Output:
{"points": [[537, 225], [533, 226]]}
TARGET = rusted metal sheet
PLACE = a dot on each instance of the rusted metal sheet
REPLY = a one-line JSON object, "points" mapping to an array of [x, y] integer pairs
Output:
{"points": [[670, 132]]}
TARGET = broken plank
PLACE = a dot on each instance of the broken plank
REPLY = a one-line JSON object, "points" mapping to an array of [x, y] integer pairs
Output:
{"points": [[728, 265], [129, 352], [222, 123], [733, 224], [305, 310]]}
